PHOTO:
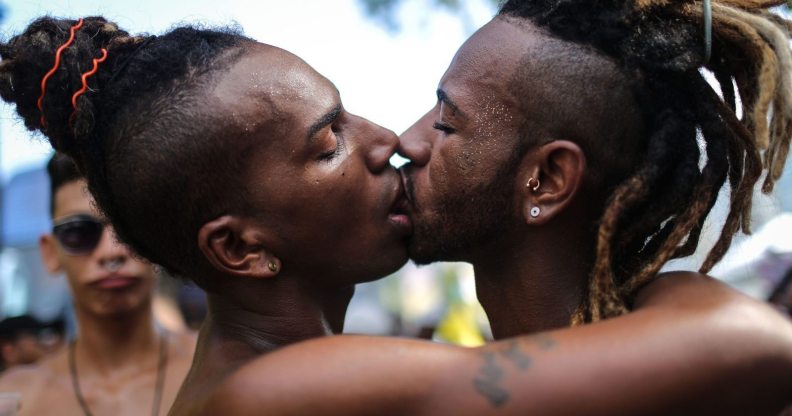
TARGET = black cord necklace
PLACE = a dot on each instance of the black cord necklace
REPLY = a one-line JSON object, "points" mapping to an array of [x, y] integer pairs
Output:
{"points": [[162, 364]]}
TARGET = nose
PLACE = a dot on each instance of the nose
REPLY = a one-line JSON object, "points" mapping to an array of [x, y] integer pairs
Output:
{"points": [[380, 148], [110, 253], [415, 144]]}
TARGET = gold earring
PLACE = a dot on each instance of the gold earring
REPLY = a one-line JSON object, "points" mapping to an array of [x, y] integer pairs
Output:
{"points": [[535, 186], [272, 266]]}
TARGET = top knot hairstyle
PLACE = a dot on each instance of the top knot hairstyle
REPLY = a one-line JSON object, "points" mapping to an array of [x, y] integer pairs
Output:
{"points": [[138, 131], [657, 213]]}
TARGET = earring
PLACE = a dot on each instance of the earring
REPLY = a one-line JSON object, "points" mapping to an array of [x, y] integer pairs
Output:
{"points": [[535, 212], [533, 184], [272, 266]]}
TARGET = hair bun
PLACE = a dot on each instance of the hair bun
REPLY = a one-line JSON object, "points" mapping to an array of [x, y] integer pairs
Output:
{"points": [[29, 56]]}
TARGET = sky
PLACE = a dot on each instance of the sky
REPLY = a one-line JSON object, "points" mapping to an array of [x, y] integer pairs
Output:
{"points": [[389, 78]]}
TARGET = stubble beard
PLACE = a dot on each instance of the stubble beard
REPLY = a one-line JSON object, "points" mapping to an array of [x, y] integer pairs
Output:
{"points": [[463, 222]]}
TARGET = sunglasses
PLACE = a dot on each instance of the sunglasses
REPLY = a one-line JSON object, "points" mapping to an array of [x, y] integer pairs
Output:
{"points": [[78, 234]]}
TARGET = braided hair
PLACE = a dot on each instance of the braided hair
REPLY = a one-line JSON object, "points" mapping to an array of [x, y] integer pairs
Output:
{"points": [[657, 213], [140, 133]]}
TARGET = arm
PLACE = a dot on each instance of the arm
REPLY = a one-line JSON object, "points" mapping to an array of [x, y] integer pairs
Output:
{"points": [[693, 346]]}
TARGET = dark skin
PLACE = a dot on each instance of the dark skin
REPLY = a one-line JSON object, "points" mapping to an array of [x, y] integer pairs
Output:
{"points": [[531, 271], [282, 273], [551, 373], [249, 360]]}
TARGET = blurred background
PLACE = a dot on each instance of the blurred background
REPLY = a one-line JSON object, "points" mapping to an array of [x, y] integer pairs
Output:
{"points": [[386, 57]]}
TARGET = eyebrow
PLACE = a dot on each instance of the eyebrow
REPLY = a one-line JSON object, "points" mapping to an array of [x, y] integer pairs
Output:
{"points": [[443, 98], [323, 121]]}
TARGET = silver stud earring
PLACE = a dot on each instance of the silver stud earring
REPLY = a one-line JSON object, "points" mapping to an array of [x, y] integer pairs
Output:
{"points": [[535, 212]]}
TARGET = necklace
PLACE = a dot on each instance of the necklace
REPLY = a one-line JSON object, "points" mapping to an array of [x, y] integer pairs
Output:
{"points": [[162, 363]]}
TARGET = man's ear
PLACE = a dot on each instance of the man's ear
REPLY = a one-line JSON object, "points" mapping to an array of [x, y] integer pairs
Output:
{"points": [[236, 246], [551, 177], [48, 248]]}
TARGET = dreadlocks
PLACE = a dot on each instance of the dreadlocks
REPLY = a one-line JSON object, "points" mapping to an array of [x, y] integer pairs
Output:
{"points": [[657, 213]]}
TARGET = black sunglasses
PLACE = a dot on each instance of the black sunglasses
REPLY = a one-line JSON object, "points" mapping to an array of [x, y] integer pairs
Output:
{"points": [[78, 234]]}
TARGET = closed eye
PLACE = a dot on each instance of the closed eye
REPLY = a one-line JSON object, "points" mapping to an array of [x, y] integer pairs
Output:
{"points": [[444, 128], [331, 154]]}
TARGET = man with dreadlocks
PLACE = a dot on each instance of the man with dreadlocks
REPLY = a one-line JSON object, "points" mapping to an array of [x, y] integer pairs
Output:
{"points": [[562, 158], [235, 163]]}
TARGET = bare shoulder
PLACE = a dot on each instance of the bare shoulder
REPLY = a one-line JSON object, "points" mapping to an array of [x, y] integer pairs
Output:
{"points": [[746, 327], [30, 376], [35, 381], [24, 377], [685, 288], [689, 292]]}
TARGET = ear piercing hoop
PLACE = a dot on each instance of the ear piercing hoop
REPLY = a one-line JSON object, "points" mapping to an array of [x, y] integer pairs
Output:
{"points": [[533, 184]]}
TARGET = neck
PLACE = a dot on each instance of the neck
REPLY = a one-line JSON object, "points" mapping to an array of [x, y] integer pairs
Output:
{"points": [[264, 316], [524, 290], [116, 341]]}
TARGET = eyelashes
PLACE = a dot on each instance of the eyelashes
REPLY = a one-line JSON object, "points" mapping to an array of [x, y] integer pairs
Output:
{"points": [[444, 128], [330, 155]]}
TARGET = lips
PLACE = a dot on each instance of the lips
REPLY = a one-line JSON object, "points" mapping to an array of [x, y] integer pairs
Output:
{"points": [[399, 212], [115, 282], [407, 186]]}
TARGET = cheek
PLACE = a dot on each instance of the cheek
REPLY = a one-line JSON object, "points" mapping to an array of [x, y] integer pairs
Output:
{"points": [[344, 185], [74, 267], [345, 204], [456, 165], [142, 269], [320, 203]]}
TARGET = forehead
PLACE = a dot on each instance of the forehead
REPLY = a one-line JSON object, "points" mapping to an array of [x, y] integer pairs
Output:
{"points": [[485, 64], [73, 198], [269, 83]]}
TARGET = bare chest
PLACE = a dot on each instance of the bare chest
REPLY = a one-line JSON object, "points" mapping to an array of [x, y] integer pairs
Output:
{"points": [[126, 394]]}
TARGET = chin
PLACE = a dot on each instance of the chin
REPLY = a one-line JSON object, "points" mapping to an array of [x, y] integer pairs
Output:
{"points": [[123, 306], [386, 265], [422, 256], [426, 247]]}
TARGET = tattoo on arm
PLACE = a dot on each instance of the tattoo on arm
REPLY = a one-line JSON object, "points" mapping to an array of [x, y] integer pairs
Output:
{"points": [[516, 356], [488, 380], [544, 342]]}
